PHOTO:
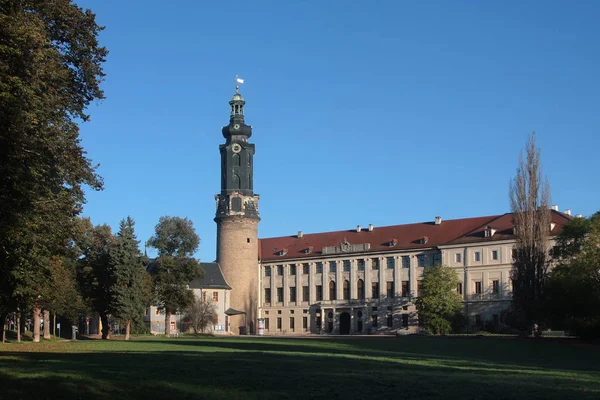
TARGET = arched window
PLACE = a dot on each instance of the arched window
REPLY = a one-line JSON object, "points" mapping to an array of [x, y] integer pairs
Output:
{"points": [[235, 160], [235, 181], [332, 291], [360, 286], [346, 290]]}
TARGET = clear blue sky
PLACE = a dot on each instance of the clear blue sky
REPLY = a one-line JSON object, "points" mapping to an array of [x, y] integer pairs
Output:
{"points": [[383, 112]]}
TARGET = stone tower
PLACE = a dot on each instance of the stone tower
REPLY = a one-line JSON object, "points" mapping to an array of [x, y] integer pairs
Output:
{"points": [[237, 220]]}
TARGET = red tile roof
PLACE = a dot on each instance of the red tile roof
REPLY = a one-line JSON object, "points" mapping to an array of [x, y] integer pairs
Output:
{"points": [[409, 236]]}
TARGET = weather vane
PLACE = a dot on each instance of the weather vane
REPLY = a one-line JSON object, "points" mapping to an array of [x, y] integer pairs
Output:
{"points": [[238, 80]]}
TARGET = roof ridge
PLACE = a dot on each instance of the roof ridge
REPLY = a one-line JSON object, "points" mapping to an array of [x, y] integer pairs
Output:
{"points": [[385, 226], [494, 218]]}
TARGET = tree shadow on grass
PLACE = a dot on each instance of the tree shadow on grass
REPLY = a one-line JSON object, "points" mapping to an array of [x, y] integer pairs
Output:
{"points": [[499, 352], [249, 370]]}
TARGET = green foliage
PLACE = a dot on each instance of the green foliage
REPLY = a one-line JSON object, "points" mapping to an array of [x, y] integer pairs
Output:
{"points": [[438, 303], [176, 241], [171, 277], [128, 294], [175, 236], [94, 272], [574, 286], [50, 70], [61, 294]]}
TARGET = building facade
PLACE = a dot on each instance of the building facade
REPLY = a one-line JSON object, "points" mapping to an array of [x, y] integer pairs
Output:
{"points": [[362, 280], [212, 287], [365, 280]]}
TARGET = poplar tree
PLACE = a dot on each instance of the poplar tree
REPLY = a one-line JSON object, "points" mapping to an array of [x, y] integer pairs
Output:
{"points": [[529, 194], [128, 295]]}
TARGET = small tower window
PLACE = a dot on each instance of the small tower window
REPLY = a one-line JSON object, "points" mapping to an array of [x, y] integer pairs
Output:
{"points": [[235, 160]]}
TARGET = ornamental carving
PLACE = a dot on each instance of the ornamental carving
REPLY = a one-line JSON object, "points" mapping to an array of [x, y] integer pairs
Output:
{"points": [[346, 247]]}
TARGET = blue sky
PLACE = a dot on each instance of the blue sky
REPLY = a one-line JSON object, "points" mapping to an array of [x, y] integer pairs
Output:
{"points": [[383, 112]]}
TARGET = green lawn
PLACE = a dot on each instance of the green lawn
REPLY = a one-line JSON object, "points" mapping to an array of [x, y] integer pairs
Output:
{"points": [[262, 368]]}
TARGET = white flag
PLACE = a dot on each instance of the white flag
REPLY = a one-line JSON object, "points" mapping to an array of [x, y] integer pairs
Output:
{"points": [[239, 80]]}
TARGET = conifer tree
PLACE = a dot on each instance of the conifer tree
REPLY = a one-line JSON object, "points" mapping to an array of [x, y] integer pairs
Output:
{"points": [[128, 298]]}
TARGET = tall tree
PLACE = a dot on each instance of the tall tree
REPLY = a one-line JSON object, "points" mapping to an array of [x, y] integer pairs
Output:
{"points": [[174, 236], [529, 194], [50, 70], [126, 267], [438, 303], [176, 241], [573, 290], [94, 272]]}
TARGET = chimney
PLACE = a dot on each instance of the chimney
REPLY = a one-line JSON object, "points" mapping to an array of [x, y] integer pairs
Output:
{"points": [[358, 228], [300, 234], [370, 227], [555, 207], [438, 220], [578, 216], [568, 211]]}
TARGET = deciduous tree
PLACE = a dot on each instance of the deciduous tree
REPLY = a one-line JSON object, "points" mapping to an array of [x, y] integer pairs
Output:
{"points": [[438, 303], [201, 314], [573, 292], [50, 70], [529, 194], [94, 272], [176, 241]]}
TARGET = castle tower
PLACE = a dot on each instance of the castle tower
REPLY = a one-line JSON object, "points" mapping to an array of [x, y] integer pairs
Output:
{"points": [[237, 220]]}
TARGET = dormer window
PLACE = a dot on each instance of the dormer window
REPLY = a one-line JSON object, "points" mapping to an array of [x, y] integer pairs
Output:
{"points": [[489, 232], [308, 250], [393, 242], [424, 240], [282, 252]]}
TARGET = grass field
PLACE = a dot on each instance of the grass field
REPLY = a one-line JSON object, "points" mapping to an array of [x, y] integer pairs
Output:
{"points": [[264, 368]]}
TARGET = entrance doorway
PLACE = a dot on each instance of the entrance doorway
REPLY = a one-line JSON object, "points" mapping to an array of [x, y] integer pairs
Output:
{"points": [[344, 323]]}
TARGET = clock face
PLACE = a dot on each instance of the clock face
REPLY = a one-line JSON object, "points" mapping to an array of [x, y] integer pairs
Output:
{"points": [[236, 126], [236, 148]]}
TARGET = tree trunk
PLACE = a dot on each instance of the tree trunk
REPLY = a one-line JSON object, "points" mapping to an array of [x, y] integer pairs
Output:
{"points": [[167, 323], [3, 322], [18, 327], [47, 325], [36, 324], [127, 329], [106, 330]]}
